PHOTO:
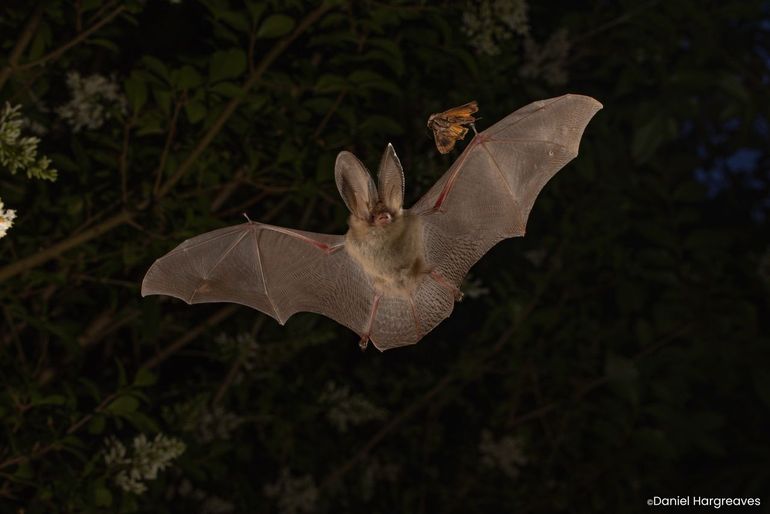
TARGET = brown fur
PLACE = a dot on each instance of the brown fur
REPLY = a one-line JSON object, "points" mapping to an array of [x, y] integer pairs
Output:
{"points": [[392, 254]]}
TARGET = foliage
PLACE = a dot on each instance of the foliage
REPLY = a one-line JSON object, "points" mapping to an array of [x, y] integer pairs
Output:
{"points": [[617, 352]]}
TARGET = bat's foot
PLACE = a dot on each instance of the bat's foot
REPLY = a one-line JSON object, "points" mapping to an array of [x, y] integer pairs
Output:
{"points": [[440, 280], [364, 342]]}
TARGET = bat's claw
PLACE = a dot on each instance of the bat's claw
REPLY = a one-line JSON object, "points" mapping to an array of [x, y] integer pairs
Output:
{"points": [[364, 342]]}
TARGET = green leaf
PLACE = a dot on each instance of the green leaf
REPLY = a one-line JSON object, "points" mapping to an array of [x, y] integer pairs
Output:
{"points": [[54, 399], [274, 26], [156, 65], [195, 111], [102, 497], [227, 65], [123, 405], [136, 92], [97, 424], [144, 377], [187, 77]]}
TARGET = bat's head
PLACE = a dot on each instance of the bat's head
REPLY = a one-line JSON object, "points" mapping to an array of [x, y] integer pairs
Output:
{"points": [[377, 206]]}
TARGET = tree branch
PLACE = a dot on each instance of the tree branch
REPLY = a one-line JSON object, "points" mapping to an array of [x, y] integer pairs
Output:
{"points": [[21, 45]]}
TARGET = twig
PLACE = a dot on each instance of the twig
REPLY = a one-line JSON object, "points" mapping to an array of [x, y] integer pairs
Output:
{"points": [[233, 104], [123, 217], [211, 321], [38, 451], [21, 44], [72, 42], [123, 160], [167, 145], [54, 251]]}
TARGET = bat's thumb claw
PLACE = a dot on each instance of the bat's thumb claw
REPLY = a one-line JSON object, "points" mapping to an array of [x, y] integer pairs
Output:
{"points": [[363, 343]]}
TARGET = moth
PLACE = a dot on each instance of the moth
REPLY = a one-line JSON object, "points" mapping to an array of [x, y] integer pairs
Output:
{"points": [[448, 126], [396, 273]]}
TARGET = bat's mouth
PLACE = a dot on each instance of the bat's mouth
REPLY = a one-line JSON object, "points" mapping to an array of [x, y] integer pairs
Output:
{"points": [[383, 218]]}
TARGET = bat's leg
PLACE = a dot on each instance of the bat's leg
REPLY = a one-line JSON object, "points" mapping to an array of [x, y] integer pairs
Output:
{"points": [[364, 342], [440, 280]]}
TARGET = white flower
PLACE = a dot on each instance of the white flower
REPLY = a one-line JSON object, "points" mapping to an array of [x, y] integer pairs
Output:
{"points": [[19, 153], [346, 409], [293, 494], [214, 423], [6, 219], [505, 454], [93, 97], [487, 23], [549, 60], [474, 288], [146, 460]]}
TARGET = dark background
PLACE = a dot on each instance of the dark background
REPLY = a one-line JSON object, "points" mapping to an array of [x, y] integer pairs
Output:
{"points": [[618, 352]]}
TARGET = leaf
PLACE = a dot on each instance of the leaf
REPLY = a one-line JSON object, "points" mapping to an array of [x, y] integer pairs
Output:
{"points": [[97, 424], [195, 111], [123, 406], [102, 497], [227, 65], [187, 77], [275, 25], [144, 377], [156, 65], [136, 92], [54, 399]]}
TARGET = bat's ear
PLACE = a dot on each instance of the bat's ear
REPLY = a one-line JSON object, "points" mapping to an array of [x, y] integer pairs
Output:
{"points": [[355, 185], [391, 179]]}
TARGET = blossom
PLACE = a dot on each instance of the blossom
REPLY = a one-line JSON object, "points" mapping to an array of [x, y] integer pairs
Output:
{"points": [[93, 99], [487, 23], [6, 219], [505, 454], [474, 288], [19, 153], [145, 461], [347, 409], [548, 60], [293, 494]]}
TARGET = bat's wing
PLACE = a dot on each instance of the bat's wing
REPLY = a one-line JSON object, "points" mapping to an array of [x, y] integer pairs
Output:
{"points": [[275, 270], [487, 194]]}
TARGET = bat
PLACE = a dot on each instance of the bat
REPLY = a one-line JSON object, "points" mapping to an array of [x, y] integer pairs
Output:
{"points": [[448, 127], [396, 273]]}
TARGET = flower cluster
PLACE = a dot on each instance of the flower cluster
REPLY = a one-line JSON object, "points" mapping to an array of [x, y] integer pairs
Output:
{"points": [[487, 23], [147, 458], [19, 153], [474, 288], [93, 100], [346, 409], [208, 504], [293, 494], [6, 219], [244, 348], [505, 454], [548, 60], [213, 423]]}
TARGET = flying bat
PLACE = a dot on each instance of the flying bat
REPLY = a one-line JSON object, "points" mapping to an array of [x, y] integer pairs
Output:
{"points": [[396, 273], [448, 126]]}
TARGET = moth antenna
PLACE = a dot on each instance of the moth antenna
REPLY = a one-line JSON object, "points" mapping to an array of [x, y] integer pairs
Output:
{"points": [[247, 217]]}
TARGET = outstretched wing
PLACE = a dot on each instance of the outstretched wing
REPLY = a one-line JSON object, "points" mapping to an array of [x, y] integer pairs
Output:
{"points": [[487, 194], [275, 270]]}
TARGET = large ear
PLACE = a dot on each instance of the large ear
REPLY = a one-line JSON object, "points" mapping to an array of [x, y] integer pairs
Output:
{"points": [[391, 179], [355, 185]]}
